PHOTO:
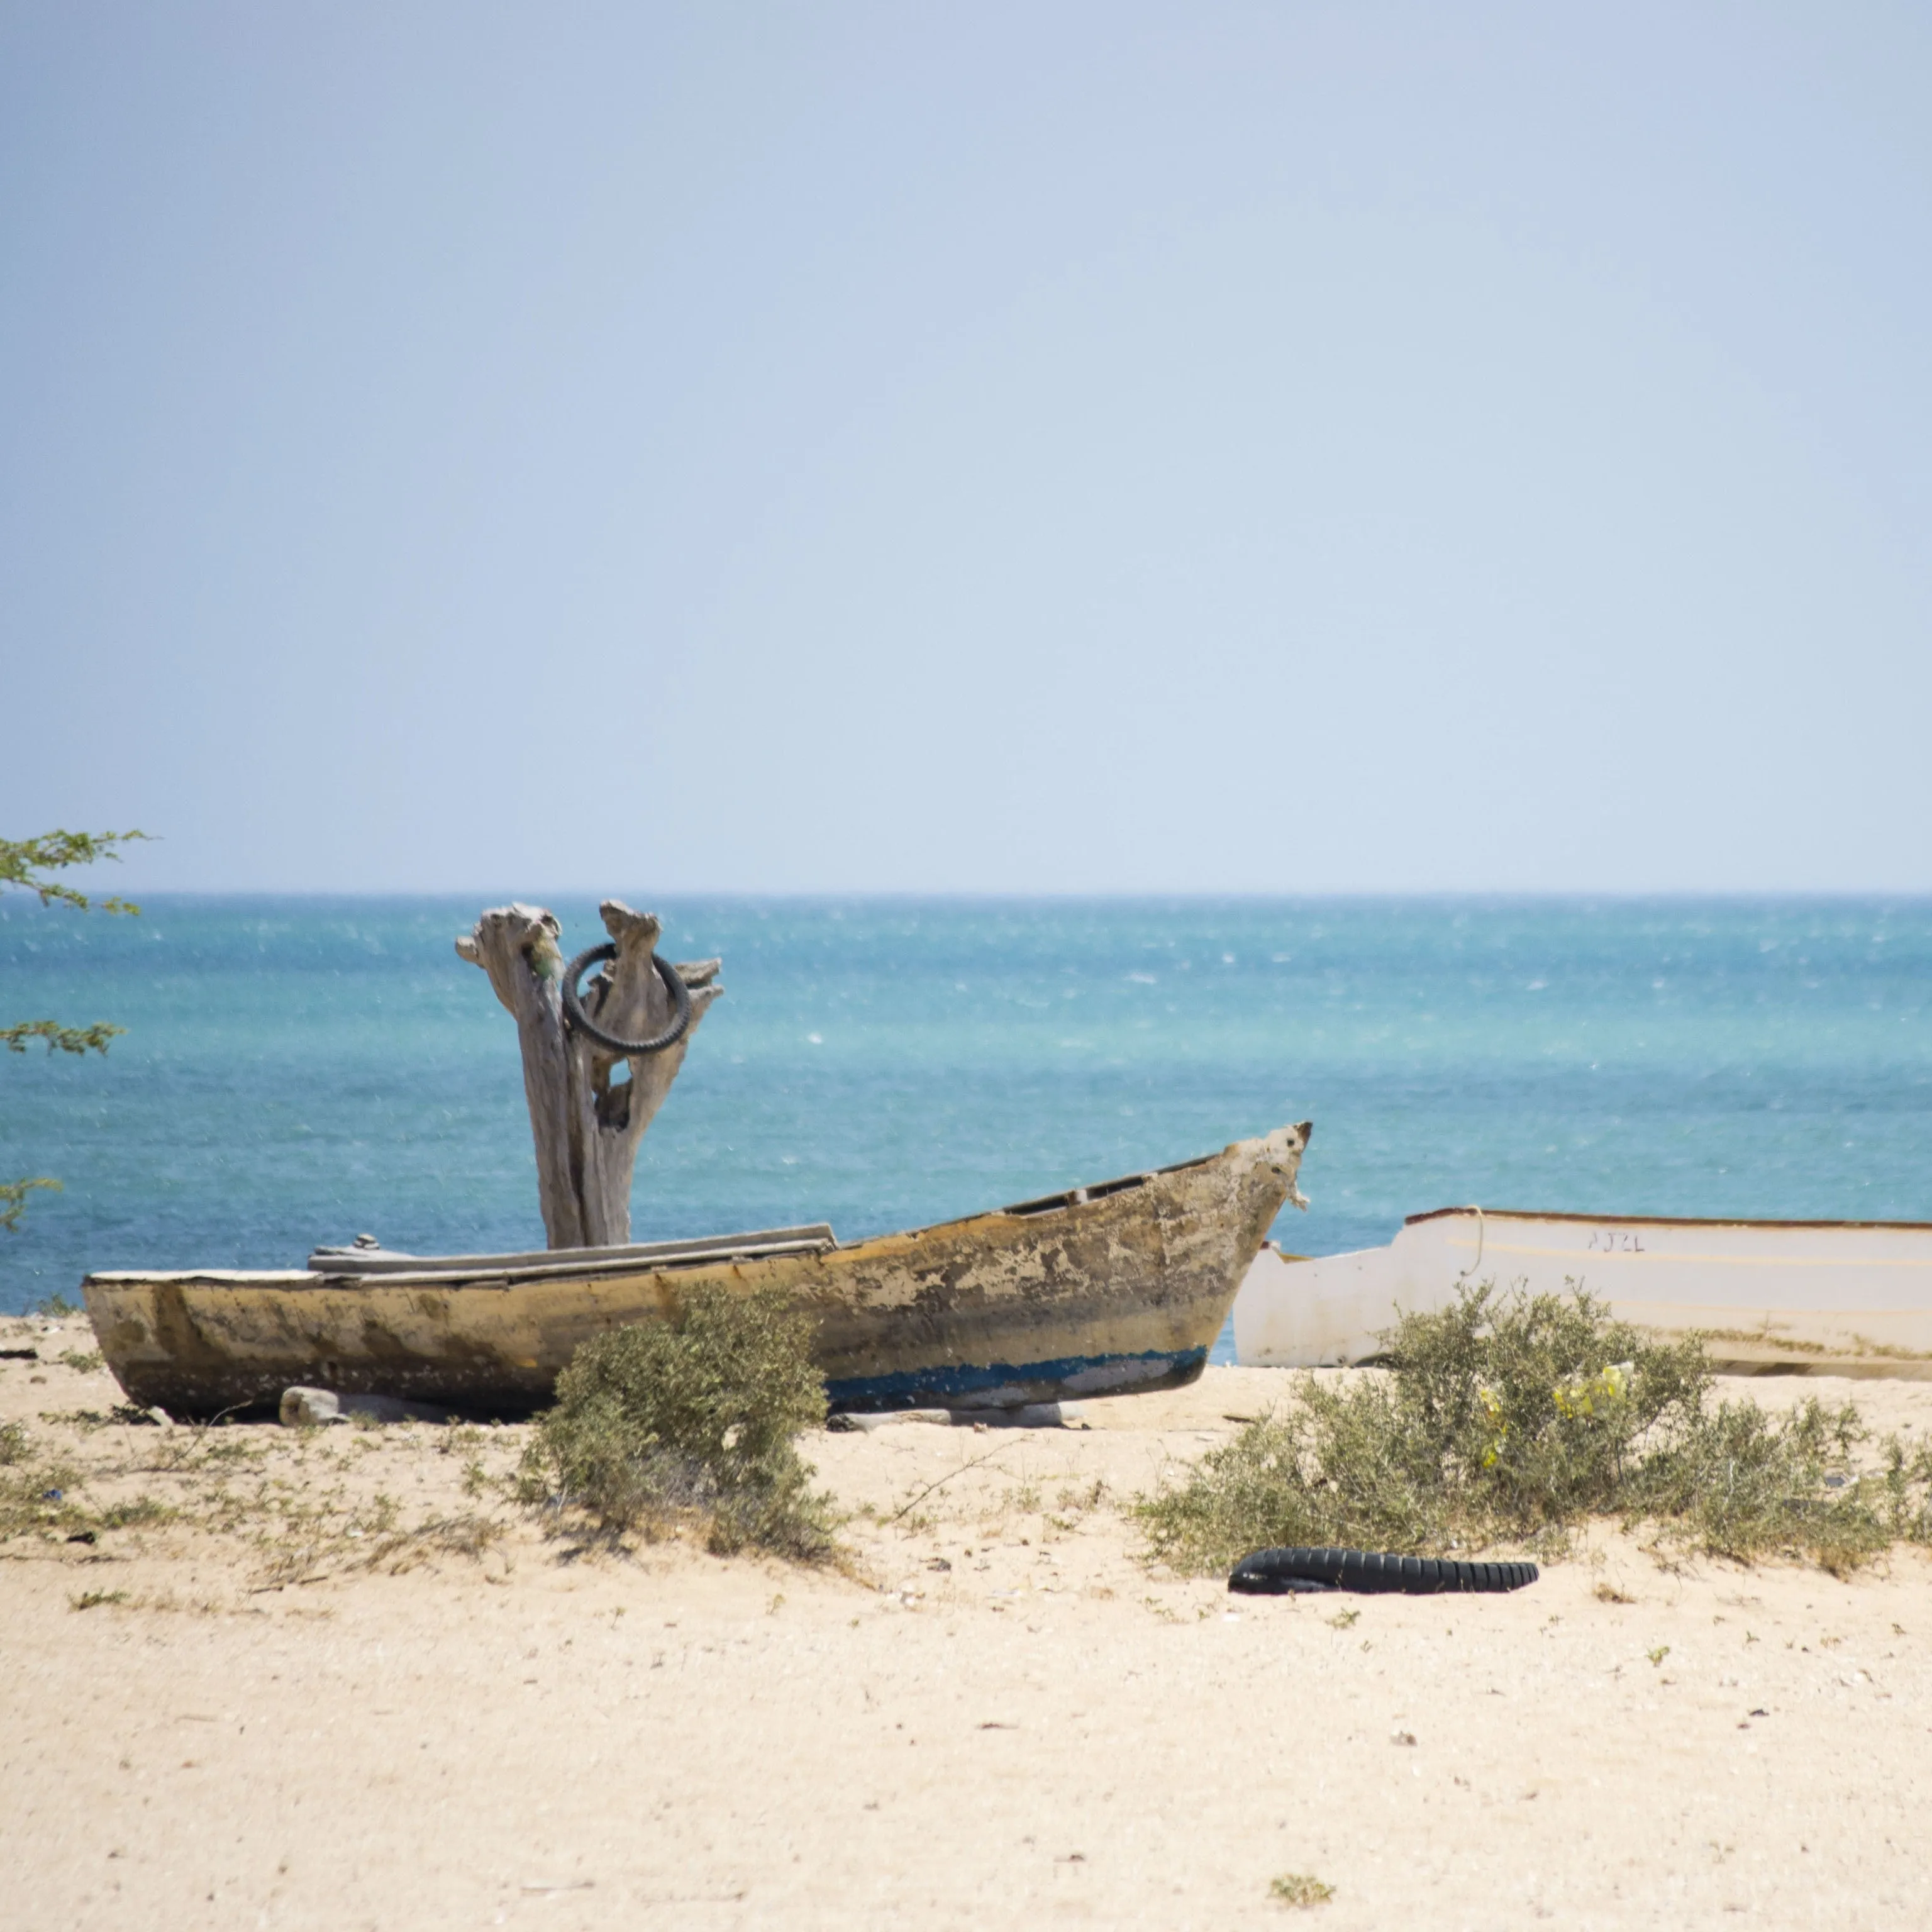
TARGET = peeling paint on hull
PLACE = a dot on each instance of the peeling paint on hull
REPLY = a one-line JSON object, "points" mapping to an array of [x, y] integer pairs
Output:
{"points": [[1118, 1287]]}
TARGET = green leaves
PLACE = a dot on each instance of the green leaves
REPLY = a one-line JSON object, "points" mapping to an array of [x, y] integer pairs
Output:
{"points": [[691, 1418], [59, 1039], [13, 1199], [24, 864]]}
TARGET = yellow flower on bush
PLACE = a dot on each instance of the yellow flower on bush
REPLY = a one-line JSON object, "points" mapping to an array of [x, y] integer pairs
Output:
{"points": [[1499, 1425], [1592, 1395]]}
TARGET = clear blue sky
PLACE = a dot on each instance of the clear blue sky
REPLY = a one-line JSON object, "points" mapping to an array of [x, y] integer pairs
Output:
{"points": [[1042, 447]]}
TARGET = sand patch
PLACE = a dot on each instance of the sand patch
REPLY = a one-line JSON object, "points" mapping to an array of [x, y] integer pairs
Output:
{"points": [[342, 1682]]}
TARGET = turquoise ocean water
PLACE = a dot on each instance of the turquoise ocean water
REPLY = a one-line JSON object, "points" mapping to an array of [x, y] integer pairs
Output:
{"points": [[302, 1070]]}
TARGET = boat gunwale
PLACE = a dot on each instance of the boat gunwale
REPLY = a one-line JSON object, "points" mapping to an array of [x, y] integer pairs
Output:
{"points": [[1641, 1221], [809, 1234], [1097, 1194], [637, 1268]]}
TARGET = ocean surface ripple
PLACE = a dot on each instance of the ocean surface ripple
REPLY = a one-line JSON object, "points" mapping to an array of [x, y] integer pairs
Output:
{"points": [[298, 1070]]}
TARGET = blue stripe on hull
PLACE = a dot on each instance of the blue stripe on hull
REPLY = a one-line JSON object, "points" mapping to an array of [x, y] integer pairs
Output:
{"points": [[1009, 1385]]}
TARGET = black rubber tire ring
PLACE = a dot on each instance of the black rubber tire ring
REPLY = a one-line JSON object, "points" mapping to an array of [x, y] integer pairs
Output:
{"points": [[1275, 1573], [580, 1021]]}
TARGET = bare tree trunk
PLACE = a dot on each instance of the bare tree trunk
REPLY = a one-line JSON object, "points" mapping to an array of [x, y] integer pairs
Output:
{"points": [[586, 1124]]}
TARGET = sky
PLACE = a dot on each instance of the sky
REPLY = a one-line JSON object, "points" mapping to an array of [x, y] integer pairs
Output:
{"points": [[1052, 447]]}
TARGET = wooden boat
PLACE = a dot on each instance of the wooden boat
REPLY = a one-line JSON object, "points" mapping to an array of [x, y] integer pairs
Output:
{"points": [[1103, 1290], [1771, 1297]]}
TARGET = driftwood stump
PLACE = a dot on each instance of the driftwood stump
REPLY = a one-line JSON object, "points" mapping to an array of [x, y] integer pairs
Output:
{"points": [[586, 1121]]}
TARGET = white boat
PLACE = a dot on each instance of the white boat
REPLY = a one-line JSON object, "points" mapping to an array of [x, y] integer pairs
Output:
{"points": [[1770, 1298]]}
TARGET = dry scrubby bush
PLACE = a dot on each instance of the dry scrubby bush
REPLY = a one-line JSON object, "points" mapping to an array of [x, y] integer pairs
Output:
{"points": [[1514, 1418], [1300, 1888], [691, 1421]]}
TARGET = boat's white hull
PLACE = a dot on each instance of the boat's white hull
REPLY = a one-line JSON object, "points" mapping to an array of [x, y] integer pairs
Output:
{"points": [[1771, 1296]]}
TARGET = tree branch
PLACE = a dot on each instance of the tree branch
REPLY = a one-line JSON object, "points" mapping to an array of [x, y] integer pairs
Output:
{"points": [[59, 1039], [13, 1199], [23, 861]]}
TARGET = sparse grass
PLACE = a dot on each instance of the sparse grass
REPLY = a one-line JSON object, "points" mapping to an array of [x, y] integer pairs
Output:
{"points": [[227, 1447], [690, 1421], [83, 1362], [142, 1512], [1299, 1889], [1074, 1504], [379, 1519], [466, 1535], [392, 1549], [301, 1535], [299, 1507], [35, 1489], [1514, 1419], [90, 1599]]}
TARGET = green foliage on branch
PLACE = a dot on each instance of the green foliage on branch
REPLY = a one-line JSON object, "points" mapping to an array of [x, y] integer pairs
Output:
{"points": [[25, 863], [60, 1039], [25, 866], [13, 1199]]}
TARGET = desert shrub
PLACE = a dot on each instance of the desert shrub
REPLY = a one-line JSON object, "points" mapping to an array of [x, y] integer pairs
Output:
{"points": [[1907, 1483], [690, 1421], [1299, 1889], [1514, 1418], [1741, 1483]]}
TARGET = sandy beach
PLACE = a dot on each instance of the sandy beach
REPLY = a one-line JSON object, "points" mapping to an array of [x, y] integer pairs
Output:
{"points": [[346, 1684]]}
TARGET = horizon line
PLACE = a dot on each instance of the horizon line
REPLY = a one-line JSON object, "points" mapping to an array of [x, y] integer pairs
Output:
{"points": [[977, 895]]}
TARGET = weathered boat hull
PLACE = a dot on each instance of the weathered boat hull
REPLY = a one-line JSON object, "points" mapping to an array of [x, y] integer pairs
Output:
{"points": [[1104, 1291], [1770, 1298]]}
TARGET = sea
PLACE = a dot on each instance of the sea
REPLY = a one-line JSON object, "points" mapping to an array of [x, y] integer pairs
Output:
{"points": [[301, 1070]]}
